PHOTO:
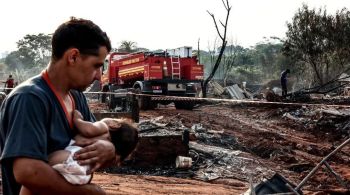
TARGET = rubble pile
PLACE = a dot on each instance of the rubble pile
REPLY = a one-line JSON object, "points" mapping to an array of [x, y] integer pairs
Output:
{"points": [[229, 92], [321, 118], [214, 154], [217, 155]]}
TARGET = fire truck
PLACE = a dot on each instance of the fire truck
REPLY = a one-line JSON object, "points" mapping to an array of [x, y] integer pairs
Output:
{"points": [[173, 72]]}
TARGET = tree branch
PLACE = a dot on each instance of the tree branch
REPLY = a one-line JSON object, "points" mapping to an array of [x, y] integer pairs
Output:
{"points": [[225, 4], [216, 26], [222, 23]]}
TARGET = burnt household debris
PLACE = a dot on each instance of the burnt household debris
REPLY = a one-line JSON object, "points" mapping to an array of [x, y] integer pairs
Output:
{"points": [[253, 145]]}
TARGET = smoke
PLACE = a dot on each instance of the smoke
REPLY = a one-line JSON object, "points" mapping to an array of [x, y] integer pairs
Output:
{"points": [[21, 74]]}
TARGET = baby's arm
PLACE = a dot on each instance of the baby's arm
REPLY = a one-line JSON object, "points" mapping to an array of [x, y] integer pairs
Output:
{"points": [[112, 124], [89, 129], [82, 140]]}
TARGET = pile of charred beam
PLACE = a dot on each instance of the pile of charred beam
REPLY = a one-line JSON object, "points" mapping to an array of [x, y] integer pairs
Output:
{"points": [[230, 92]]}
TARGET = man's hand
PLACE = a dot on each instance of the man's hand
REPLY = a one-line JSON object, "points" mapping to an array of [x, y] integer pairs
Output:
{"points": [[95, 153]]}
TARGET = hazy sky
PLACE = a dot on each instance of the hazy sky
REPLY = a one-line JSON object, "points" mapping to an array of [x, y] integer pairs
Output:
{"points": [[155, 24]]}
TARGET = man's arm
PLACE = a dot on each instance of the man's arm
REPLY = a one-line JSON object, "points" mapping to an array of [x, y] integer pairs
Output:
{"points": [[40, 178]]}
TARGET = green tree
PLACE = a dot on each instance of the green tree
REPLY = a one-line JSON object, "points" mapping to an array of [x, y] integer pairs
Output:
{"points": [[14, 60], [319, 43], [32, 50], [270, 58], [127, 46], [229, 60], [36, 48]]}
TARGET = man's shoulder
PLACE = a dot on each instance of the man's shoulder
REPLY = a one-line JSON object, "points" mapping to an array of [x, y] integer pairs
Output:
{"points": [[35, 85]]}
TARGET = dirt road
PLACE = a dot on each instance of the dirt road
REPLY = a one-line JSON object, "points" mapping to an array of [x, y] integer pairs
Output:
{"points": [[139, 184]]}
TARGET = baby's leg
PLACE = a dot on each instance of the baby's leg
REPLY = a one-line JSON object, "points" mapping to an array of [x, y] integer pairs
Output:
{"points": [[58, 157], [25, 191]]}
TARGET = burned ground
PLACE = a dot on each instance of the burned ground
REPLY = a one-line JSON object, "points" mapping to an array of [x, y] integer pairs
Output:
{"points": [[231, 144]]}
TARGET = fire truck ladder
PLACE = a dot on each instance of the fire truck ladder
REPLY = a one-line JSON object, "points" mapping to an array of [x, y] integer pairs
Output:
{"points": [[175, 67]]}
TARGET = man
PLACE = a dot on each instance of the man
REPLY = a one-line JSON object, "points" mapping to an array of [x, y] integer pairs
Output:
{"points": [[36, 118], [284, 82], [9, 83]]}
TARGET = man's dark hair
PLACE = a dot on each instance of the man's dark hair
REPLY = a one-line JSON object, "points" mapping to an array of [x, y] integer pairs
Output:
{"points": [[81, 34], [287, 71], [125, 139]]}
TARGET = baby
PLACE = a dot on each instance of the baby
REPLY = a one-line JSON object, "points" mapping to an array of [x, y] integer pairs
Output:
{"points": [[122, 133]]}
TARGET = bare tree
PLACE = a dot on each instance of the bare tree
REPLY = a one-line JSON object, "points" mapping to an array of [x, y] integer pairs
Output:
{"points": [[222, 35]]}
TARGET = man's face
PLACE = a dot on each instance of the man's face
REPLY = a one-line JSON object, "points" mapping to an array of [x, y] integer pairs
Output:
{"points": [[88, 69]]}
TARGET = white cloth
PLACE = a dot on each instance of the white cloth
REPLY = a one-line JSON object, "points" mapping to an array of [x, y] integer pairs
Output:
{"points": [[71, 170]]}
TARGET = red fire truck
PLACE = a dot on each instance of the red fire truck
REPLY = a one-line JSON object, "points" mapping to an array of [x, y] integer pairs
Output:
{"points": [[169, 73]]}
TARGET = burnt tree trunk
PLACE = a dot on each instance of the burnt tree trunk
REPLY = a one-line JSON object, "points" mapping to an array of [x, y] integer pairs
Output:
{"points": [[223, 46]]}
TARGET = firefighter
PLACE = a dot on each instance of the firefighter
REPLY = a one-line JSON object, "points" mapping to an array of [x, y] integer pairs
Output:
{"points": [[9, 84], [284, 82]]}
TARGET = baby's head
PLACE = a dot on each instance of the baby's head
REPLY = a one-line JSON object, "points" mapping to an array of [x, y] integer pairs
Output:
{"points": [[124, 136]]}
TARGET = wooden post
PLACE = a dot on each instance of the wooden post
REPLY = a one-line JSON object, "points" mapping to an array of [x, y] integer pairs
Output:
{"points": [[135, 110]]}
